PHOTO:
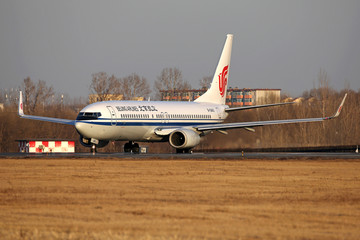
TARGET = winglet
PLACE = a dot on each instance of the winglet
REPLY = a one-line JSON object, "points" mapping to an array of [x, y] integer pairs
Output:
{"points": [[21, 106], [339, 108]]}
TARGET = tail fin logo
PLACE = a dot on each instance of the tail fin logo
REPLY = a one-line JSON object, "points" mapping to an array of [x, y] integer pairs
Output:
{"points": [[223, 80]]}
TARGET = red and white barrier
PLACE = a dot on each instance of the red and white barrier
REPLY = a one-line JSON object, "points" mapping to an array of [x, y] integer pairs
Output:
{"points": [[50, 146]]}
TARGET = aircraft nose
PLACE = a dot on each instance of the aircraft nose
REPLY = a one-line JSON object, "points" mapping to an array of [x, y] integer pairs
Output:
{"points": [[79, 126]]}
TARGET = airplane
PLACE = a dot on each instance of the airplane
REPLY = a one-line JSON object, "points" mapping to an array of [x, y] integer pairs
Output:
{"points": [[181, 124]]}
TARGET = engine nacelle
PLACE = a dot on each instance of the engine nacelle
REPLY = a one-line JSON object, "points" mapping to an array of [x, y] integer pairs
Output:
{"points": [[86, 142], [184, 139]]}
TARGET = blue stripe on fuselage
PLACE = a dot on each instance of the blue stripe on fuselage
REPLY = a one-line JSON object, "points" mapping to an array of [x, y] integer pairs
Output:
{"points": [[149, 122]]}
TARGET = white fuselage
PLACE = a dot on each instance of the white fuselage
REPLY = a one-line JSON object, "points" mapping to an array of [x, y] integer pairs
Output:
{"points": [[138, 120]]}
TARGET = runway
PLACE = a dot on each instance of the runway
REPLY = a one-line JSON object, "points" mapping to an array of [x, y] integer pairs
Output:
{"points": [[196, 156], [154, 197]]}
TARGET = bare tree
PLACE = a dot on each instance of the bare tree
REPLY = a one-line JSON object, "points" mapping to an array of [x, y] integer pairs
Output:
{"points": [[43, 94], [324, 89], [134, 86], [29, 88], [170, 79], [36, 94], [103, 86], [9, 96], [205, 82]]}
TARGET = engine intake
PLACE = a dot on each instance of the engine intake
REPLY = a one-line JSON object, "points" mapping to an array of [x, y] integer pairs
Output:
{"points": [[184, 139]]}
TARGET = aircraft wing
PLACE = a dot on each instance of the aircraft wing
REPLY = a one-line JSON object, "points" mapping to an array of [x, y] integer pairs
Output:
{"points": [[49, 119], [225, 126], [257, 106], [39, 118]]}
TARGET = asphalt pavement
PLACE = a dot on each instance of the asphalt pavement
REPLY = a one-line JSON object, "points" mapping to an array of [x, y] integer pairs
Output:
{"points": [[197, 156]]}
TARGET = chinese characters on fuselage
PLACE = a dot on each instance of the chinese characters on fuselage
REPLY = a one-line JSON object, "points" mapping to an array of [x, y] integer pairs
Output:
{"points": [[138, 108]]}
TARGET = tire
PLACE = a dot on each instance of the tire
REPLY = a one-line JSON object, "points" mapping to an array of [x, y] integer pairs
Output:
{"points": [[135, 148], [127, 147]]}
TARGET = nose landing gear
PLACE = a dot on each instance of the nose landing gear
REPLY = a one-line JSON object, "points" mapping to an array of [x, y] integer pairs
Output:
{"points": [[93, 149], [131, 147]]}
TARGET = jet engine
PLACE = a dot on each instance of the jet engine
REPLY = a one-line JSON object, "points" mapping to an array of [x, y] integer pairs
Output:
{"points": [[184, 139], [88, 142]]}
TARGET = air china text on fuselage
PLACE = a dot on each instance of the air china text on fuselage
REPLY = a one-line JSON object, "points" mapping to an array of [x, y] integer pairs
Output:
{"points": [[182, 124]]}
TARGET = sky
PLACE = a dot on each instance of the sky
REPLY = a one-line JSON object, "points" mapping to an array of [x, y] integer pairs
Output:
{"points": [[277, 44]]}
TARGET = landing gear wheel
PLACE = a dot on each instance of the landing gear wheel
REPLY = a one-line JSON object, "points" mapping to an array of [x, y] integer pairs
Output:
{"points": [[131, 147], [179, 151], [127, 147], [135, 148], [186, 150]]}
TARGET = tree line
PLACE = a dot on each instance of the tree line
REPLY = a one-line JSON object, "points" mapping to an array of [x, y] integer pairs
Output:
{"points": [[135, 86], [40, 99], [322, 101]]}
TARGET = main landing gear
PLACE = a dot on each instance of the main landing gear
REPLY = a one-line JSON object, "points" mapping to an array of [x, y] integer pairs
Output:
{"points": [[186, 150], [131, 147]]}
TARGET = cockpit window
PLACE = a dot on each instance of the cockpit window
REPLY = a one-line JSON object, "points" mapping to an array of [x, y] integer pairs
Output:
{"points": [[88, 115]]}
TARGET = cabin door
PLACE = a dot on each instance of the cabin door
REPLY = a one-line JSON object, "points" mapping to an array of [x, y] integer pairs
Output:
{"points": [[113, 115]]}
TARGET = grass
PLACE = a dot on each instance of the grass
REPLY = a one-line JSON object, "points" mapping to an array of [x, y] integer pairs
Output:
{"points": [[179, 199]]}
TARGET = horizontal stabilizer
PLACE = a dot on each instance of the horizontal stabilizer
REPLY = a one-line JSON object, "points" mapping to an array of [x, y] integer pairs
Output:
{"points": [[257, 106]]}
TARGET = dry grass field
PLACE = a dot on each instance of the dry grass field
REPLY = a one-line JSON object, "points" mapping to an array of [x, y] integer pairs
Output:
{"points": [[179, 199]]}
